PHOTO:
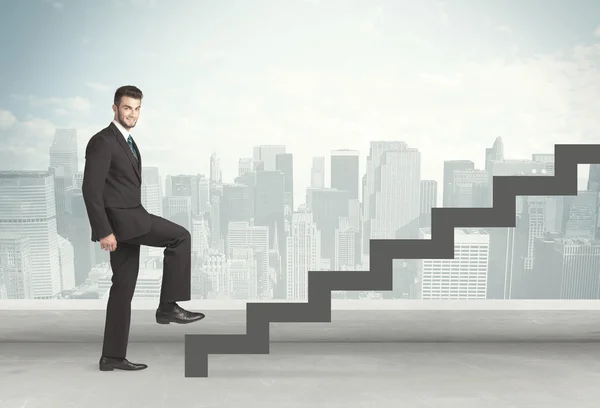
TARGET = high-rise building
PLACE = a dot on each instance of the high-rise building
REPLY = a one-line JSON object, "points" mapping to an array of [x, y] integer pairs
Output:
{"points": [[470, 188], [317, 172], [245, 165], [15, 266], [266, 155], [565, 268], [303, 253], [344, 171], [463, 277], [215, 169], [450, 167], [284, 163], [27, 208], [244, 235], [428, 200], [63, 153], [328, 205], [396, 195], [494, 153]]}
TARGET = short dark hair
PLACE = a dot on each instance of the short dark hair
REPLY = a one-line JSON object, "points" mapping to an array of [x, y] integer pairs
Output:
{"points": [[127, 90]]}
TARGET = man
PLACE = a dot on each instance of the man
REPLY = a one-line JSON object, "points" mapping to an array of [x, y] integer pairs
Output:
{"points": [[112, 193]]}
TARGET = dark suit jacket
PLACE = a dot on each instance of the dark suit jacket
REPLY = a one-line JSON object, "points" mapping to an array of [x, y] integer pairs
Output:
{"points": [[111, 187]]}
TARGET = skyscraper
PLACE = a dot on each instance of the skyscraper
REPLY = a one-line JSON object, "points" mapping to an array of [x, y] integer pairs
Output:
{"points": [[344, 171], [27, 208]]}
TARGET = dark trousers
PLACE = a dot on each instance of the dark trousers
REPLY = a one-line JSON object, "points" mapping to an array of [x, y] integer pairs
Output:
{"points": [[125, 264]]}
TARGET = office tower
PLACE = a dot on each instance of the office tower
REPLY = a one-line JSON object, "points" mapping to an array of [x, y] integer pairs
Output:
{"points": [[266, 155], [303, 253], [450, 166], [371, 182], [508, 245], [27, 208], [63, 154], [284, 163], [376, 151], [565, 268], [344, 171], [152, 196], [463, 277], [215, 169], [200, 236], [247, 235], [396, 195], [503, 260], [242, 269], [269, 203], [214, 273], [580, 214], [494, 153], [179, 210], [249, 179], [78, 180], [345, 245], [470, 188], [428, 200], [328, 205], [66, 262], [64, 166], [245, 165], [547, 159], [217, 242], [15, 266], [197, 187], [87, 252], [235, 205], [541, 215], [317, 172]]}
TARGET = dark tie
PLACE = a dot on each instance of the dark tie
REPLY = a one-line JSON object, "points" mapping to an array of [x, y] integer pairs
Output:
{"points": [[130, 143]]}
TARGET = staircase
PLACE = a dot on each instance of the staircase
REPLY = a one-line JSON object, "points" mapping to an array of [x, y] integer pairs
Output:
{"points": [[382, 253]]}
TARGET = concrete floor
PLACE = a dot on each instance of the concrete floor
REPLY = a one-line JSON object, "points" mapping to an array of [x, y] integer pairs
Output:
{"points": [[373, 358]]}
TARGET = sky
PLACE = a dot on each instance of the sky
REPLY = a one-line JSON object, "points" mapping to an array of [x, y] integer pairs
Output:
{"points": [[315, 75]]}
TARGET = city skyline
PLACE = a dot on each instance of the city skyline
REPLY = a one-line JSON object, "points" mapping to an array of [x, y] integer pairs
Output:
{"points": [[251, 242], [401, 106]]}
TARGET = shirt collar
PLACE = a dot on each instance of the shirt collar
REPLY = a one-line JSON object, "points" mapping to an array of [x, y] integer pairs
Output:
{"points": [[121, 128]]}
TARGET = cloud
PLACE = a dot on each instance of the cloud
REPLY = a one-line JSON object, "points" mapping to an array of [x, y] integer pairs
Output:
{"points": [[99, 87], [597, 31], [7, 119], [533, 103], [25, 142], [63, 106]]}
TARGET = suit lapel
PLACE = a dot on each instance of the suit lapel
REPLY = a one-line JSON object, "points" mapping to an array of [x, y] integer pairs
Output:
{"points": [[135, 163]]}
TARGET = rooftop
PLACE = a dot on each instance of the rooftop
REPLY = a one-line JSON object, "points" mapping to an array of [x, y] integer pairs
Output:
{"points": [[423, 353]]}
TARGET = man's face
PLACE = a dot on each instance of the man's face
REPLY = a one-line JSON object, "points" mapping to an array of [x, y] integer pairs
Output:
{"points": [[128, 112]]}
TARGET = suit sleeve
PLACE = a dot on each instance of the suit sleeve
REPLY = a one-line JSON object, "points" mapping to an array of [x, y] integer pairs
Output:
{"points": [[97, 164]]}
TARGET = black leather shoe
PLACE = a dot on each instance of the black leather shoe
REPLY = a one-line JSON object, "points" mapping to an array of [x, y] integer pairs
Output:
{"points": [[177, 314], [110, 364]]}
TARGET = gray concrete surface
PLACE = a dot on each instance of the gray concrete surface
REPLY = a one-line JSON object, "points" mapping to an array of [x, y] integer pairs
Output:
{"points": [[370, 358], [346, 325], [444, 375]]}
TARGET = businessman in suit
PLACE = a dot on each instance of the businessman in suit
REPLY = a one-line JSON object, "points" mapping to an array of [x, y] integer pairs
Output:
{"points": [[112, 194]]}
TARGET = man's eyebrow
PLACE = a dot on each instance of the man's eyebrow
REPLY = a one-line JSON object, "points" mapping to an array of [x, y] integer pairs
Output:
{"points": [[127, 106]]}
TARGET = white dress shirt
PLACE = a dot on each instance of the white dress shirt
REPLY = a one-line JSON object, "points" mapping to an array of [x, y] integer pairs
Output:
{"points": [[122, 129]]}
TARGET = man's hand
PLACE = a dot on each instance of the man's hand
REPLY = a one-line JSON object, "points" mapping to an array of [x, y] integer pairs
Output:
{"points": [[108, 243]]}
